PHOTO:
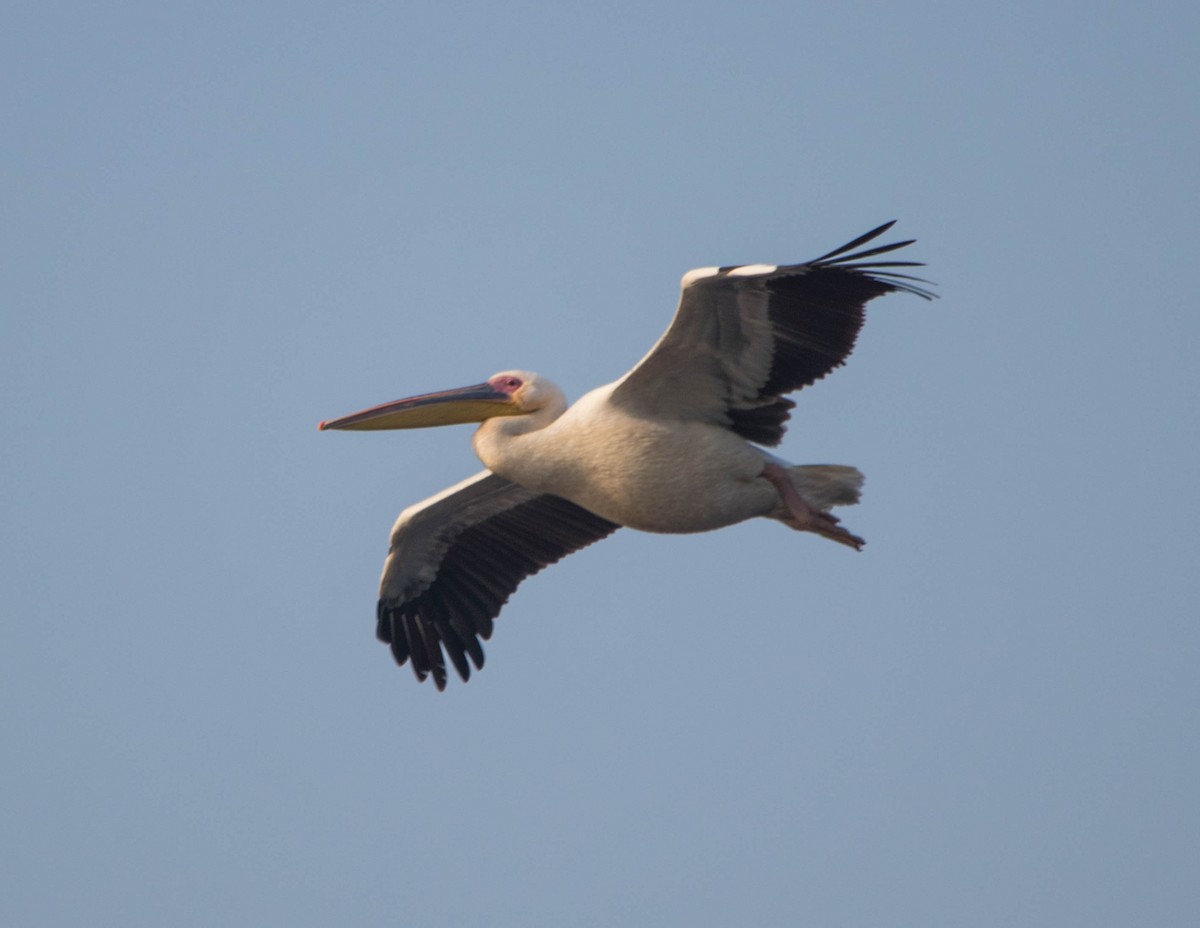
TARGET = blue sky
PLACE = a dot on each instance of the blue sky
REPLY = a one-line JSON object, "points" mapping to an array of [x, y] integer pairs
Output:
{"points": [[224, 223]]}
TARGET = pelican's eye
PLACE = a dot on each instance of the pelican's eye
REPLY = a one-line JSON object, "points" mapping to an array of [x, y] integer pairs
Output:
{"points": [[508, 384]]}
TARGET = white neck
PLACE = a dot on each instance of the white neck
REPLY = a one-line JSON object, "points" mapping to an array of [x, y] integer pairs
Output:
{"points": [[506, 444]]}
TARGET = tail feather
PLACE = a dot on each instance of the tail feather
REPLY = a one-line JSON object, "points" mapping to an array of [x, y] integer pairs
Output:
{"points": [[827, 485]]}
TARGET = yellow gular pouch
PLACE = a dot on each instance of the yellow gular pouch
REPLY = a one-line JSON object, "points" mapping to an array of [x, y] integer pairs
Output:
{"points": [[449, 407]]}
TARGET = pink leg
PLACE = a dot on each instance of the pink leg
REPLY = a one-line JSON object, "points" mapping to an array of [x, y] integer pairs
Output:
{"points": [[804, 517]]}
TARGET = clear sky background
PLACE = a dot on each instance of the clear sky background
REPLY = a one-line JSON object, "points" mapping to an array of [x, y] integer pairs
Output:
{"points": [[225, 222]]}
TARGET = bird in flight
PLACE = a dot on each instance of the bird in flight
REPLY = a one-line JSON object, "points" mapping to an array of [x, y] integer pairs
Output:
{"points": [[674, 446]]}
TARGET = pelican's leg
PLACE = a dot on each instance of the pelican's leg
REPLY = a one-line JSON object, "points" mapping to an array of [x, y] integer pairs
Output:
{"points": [[806, 518]]}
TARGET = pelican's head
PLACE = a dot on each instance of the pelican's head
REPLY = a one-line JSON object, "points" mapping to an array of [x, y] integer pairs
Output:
{"points": [[509, 393]]}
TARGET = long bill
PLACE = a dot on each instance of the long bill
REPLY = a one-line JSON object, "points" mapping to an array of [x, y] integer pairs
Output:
{"points": [[446, 407]]}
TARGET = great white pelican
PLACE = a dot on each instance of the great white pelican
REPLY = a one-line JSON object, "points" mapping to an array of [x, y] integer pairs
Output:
{"points": [[673, 446]]}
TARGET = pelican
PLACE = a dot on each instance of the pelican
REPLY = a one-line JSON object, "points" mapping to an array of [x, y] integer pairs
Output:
{"points": [[674, 446]]}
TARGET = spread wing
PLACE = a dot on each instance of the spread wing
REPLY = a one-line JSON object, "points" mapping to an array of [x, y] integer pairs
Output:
{"points": [[745, 336], [456, 558]]}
